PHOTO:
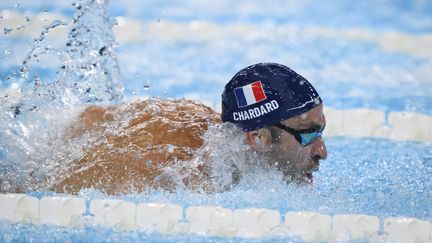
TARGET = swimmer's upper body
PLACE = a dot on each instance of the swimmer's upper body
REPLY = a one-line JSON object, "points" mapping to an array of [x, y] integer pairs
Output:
{"points": [[279, 112]]}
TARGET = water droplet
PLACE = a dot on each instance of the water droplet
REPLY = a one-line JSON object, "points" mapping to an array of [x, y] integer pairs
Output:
{"points": [[6, 185], [149, 163], [146, 85], [19, 27], [158, 20], [74, 4], [49, 48], [6, 31], [170, 148], [24, 71], [103, 51], [7, 52], [37, 80], [45, 12], [134, 93], [27, 18], [301, 82], [17, 5]]}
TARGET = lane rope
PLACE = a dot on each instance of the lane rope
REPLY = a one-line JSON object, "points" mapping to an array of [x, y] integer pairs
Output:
{"points": [[74, 212]]}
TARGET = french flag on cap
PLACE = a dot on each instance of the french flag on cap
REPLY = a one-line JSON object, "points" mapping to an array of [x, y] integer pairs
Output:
{"points": [[249, 94]]}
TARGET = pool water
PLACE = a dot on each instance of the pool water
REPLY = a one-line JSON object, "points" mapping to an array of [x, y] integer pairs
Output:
{"points": [[349, 181], [364, 54]]}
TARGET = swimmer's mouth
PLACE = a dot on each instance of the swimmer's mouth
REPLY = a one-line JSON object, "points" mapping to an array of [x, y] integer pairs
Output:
{"points": [[308, 175]]}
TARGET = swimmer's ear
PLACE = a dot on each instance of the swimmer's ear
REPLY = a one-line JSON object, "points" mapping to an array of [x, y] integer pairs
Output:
{"points": [[259, 140]]}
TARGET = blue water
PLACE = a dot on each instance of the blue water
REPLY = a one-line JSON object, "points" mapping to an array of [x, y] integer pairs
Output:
{"points": [[400, 15], [98, 234], [351, 180], [371, 176]]}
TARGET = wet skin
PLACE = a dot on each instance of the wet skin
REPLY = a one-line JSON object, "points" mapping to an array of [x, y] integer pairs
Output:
{"points": [[296, 161], [118, 163]]}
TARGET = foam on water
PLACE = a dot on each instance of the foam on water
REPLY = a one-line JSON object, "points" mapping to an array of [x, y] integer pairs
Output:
{"points": [[349, 181]]}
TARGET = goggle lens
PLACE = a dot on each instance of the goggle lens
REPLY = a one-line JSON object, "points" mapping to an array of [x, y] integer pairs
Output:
{"points": [[308, 138], [304, 137]]}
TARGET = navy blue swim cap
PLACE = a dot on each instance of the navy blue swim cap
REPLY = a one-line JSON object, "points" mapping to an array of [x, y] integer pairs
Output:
{"points": [[265, 94]]}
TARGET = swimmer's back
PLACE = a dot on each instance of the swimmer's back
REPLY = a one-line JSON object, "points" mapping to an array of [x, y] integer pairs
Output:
{"points": [[134, 142]]}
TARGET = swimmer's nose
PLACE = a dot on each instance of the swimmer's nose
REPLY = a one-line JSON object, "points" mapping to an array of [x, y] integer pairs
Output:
{"points": [[319, 148]]}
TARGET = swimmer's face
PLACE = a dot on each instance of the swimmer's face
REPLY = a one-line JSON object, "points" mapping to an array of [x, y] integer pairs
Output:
{"points": [[284, 151]]}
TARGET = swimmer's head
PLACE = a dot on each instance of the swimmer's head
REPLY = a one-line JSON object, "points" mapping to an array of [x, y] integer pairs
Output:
{"points": [[264, 94], [281, 114]]}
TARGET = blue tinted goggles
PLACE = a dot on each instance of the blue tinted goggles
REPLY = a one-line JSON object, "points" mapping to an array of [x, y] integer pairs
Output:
{"points": [[305, 136]]}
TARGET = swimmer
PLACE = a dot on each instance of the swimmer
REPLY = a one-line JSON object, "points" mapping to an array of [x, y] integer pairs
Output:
{"points": [[146, 144]]}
